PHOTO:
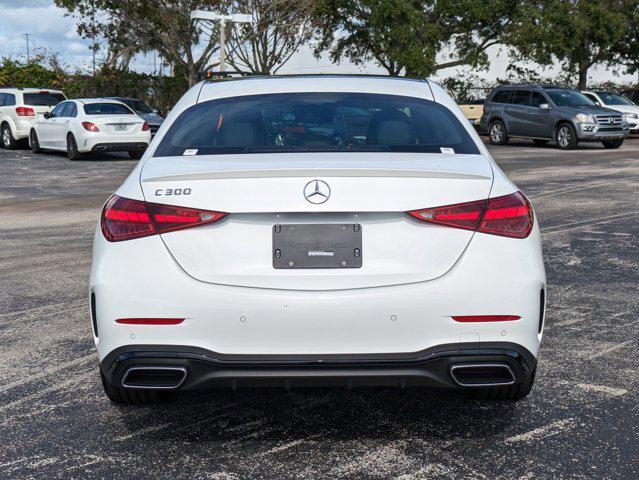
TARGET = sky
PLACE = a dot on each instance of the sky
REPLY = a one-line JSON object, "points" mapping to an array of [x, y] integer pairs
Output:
{"points": [[52, 31]]}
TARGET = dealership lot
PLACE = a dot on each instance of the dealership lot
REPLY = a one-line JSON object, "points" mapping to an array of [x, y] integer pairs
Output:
{"points": [[581, 421]]}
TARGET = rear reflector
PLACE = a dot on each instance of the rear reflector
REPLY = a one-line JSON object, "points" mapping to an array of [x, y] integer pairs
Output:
{"points": [[149, 321], [25, 112], [485, 318], [126, 219], [508, 216]]}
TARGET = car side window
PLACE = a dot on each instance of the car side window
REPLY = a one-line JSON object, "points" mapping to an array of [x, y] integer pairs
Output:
{"points": [[2, 99], [9, 100], [501, 96], [71, 110], [58, 110], [520, 97], [537, 99]]}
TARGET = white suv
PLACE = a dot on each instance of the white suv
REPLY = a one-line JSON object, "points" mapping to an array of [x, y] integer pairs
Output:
{"points": [[20, 108]]}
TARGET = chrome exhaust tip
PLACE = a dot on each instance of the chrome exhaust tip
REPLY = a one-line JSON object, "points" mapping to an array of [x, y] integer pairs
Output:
{"points": [[482, 374], [154, 377]]}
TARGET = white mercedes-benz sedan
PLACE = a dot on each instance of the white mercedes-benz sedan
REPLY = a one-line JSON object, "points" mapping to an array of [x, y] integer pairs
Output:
{"points": [[338, 230], [91, 125]]}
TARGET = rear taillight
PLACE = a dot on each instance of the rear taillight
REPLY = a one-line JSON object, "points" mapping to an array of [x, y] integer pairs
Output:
{"points": [[509, 216], [25, 112], [126, 219], [145, 127], [91, 127]]}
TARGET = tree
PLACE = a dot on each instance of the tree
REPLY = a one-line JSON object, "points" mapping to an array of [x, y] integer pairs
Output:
{"points": [[132, 26], [577, 33], [278, 29], [412, 36], [626, 50]]}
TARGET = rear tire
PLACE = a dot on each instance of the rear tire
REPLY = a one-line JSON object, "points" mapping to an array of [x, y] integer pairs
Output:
{"points": [[566, 137], [136, 154], [539, 142], [134, 396], [508, 392], [72, 148], [8, 141], [34, 143], [497, 133], [613, 143]]}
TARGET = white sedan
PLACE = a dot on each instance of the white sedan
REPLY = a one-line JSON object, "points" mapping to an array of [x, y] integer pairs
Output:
{"points": [[91, 125], [317, 230]]}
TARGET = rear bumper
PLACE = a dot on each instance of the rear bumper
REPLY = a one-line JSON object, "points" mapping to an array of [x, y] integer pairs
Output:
{"points": [[119, 147], [437, 366]]}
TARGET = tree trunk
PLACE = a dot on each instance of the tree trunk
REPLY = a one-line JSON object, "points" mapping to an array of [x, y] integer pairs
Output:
{"points": [[583, 76]]}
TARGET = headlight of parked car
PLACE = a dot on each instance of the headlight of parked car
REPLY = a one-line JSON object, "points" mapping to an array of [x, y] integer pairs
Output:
{"points": [[584, 118], [630, 116]]}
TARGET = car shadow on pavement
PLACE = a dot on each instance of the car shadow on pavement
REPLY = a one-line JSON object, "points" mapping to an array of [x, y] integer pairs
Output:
{"points": [[302, 414]]}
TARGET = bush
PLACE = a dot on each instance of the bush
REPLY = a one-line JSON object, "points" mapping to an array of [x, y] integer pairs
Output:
{"points": [[160, 92]]}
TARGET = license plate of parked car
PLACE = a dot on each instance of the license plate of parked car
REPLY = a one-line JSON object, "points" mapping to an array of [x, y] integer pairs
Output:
{"points": [[317, 246]]}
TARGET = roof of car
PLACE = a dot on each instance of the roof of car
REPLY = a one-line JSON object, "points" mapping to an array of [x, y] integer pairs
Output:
{"points": [[32, 90], [96, 100]]}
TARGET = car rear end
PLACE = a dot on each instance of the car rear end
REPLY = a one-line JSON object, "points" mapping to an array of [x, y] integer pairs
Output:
{"points": [[31, 105], [231, 261], [112, 127]]}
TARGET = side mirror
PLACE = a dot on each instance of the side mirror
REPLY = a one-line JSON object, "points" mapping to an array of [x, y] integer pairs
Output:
{"points": [[47, 115], [544, 106]]}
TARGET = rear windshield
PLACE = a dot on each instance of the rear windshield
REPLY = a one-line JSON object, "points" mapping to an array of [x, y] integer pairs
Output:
{"points": [[106, 109], [138, 106], [43, 99], [318, 122]]}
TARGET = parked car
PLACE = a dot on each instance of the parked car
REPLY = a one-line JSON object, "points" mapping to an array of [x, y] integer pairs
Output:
{"points": [[543, 113], [91, 125], [146, 113], [304, 230], [632, 94], [20, 108], [473, 110], [619, 103]]}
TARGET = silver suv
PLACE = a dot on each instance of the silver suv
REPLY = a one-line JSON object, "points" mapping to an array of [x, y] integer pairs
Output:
{"points": [[543, 114]]}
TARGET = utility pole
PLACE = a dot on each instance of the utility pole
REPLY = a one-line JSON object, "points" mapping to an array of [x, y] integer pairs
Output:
{"points": [[234, 18], [27, 35]]}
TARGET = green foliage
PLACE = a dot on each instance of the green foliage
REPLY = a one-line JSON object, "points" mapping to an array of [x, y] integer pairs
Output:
{"points": [[410, 35], [31, 75], [576, 33], [160, 92]]}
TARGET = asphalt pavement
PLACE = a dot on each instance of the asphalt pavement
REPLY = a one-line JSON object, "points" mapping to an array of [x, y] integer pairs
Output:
{"points": [[581, 420]]}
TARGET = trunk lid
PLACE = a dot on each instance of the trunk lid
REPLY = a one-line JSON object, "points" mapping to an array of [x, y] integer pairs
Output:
{"points": [[263, 190]]}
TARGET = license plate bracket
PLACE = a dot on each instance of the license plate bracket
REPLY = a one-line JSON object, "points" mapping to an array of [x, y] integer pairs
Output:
{"points": [[317, 246]]}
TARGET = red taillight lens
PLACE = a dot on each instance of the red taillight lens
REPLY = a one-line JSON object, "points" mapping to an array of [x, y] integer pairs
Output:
{"points": [[462, 215], [25, 112], [125, 219], [145, 127], [509, 216], [91, 127]]}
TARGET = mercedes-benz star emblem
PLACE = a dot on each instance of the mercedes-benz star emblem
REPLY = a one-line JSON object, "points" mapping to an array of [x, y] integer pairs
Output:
{"points": [[317, 191]]}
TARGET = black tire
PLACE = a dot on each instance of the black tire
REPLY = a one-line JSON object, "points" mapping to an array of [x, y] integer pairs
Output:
{"points": [[497, 133], [134, 396], [566, 136], [8, 141], [72, 148], [136, 154], [540, 142], [508, 392], [613, 143], [34, 143]]}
